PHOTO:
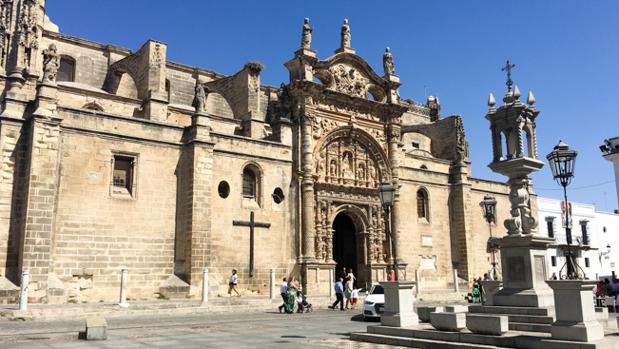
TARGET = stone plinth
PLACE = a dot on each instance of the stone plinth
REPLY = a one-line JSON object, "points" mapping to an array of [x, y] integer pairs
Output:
{"points": [[96, 329], [495, 325], [399, 311], [575, 311], [424, 312], [453, 322], [490, 288], [523, 264]]}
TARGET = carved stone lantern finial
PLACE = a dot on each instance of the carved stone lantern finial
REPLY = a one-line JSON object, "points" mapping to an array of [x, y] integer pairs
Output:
{"points": [[491, 101], [530, 99], [306, 35], [516, 92]]}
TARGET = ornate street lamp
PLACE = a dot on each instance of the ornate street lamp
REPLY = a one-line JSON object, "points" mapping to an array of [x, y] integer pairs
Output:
{"points": [[386, 192], [489, 207], [562, 162]]}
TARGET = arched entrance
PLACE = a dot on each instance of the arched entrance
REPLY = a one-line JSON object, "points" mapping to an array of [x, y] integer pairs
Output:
{"points": [[345, 248]]}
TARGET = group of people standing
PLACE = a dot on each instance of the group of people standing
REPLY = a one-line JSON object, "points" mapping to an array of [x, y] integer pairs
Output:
{"points": [[293, 297], [344, 289]]}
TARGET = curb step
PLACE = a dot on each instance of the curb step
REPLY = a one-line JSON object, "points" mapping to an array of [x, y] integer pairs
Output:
{"points": [[529, 327], [417, 342], [531, 319]]}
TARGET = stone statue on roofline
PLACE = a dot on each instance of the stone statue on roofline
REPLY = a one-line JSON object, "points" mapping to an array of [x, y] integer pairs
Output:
{"points": [[199, 101], [345, 35], [388, 62], [51, 62], [306, 36]]}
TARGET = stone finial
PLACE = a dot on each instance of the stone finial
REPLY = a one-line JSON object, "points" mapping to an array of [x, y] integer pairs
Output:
{"points": [[530, 98], [345, 35], [388, 65], [306, 35], [491, 101], [51, 62], [516, 92]]}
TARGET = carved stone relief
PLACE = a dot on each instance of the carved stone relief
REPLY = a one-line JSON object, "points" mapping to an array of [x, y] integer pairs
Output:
{"points": [[347, 162], [347, 79]]}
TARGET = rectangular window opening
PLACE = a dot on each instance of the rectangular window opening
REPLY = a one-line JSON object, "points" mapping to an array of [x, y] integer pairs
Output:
{"points": [[550, 227], [587, 262], [553, 261], [122, 175]]}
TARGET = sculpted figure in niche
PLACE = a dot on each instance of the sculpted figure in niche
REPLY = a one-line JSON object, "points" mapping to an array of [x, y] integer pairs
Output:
{"points": [[345, 35], [306, 36], [333, 169], [199, 101], [361, 173], [51, 62], [388, 62], [347, 166]]}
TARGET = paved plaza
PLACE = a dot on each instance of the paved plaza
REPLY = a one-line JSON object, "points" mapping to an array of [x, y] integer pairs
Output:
{"points": [[320, 329]]}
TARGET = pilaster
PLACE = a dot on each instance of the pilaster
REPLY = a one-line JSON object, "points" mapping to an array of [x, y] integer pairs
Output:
{"points": [[194, 201]]}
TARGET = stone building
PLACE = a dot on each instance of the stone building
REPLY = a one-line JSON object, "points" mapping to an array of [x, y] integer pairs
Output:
{"points": [[113, 158]]}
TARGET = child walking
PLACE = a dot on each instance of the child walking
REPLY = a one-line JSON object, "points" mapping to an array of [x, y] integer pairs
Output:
{"points": [[234, 280]]}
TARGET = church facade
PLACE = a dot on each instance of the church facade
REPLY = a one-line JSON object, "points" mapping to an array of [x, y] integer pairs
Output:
{"points": [[117, 159]]}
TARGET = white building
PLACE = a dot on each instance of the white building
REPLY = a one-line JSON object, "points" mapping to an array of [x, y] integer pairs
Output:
{"points": [[607, 232], [583, 234]]}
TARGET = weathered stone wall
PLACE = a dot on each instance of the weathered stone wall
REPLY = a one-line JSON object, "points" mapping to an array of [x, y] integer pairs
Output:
{"points": [[98, 233]]}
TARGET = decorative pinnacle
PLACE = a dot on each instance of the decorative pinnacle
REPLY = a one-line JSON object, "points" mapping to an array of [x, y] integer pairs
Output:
{"points": [[530, 98], [491, 101], [516, 92], [508, 68]]}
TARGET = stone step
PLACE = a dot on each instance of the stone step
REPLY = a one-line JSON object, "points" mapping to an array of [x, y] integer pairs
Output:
{"points": [[531, 319], [508, 310], [416, 342], [529, 327]]}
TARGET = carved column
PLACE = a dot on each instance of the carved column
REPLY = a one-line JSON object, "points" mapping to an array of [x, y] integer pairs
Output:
{"points": [[307, 190], [394, 140]]}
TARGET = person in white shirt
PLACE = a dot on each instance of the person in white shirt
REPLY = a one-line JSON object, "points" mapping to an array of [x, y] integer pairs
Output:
{"points": [[283, 287], [232, 283]]}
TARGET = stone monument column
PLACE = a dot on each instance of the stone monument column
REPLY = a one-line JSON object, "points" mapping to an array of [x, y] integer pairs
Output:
{"points": [[523, 252], [393, 134], [307, 190]]}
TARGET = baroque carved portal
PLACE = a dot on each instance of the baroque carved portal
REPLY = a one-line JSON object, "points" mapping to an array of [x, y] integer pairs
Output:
{"points": [[347, 162]]}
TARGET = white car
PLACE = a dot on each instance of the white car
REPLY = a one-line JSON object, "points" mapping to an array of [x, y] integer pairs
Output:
{"points": [[374, 304]]}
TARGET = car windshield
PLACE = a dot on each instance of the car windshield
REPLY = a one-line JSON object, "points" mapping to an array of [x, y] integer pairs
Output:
{"points": [[377, 289]]}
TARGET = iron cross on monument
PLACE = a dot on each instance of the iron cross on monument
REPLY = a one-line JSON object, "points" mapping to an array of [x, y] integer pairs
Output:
{"points": [[251, 224], [508, 68]]}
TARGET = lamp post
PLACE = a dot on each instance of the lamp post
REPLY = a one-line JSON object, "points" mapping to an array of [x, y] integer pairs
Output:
{"points": [[386, 192], [562, 161], [489, 207]]}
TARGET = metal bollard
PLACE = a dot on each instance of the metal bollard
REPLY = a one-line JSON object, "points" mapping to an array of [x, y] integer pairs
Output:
{"points": [[205, 286], [23, 294], [124, 274], [272, 285], [456, 286]]}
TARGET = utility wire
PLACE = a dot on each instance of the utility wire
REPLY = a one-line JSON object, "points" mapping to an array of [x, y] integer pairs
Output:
{"points": [[576, 188]]}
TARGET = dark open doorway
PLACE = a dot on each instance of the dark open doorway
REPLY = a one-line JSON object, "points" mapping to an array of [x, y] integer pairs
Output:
{"points": [[344, 244]]}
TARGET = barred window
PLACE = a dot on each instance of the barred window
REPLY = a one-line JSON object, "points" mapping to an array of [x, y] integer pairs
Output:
{"points": [[422, 204], [249, 183], [550, 226], [66, 70], [585, 232]]}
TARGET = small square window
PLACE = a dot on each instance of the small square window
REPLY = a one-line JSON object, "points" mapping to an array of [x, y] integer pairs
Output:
{"points": [[415, 145], [553, 261], [123, 168]]}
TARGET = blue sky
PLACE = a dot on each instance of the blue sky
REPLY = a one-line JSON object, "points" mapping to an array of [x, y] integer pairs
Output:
{"points": [[566, 52]]}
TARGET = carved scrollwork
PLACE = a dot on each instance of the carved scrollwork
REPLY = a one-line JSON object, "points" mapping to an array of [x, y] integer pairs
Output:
{"points": [[347, 79]]}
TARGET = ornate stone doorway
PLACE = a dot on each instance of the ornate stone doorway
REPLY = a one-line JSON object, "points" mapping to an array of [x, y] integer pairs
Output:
{"points": [[344, 244]]}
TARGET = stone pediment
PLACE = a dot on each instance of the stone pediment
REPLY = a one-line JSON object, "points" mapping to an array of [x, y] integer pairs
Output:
{"points": [[350, 74]]}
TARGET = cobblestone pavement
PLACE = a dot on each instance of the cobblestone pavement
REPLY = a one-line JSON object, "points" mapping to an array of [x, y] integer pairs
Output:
{"points": [[320, 329]]}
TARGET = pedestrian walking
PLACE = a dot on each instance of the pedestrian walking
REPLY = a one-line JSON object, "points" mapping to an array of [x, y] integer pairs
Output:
{"points": [[283, 287], [339, 294], [233, 283]]}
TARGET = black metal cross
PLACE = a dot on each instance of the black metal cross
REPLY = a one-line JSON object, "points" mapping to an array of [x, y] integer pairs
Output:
{"points": [[508, 68], [251, 224]]}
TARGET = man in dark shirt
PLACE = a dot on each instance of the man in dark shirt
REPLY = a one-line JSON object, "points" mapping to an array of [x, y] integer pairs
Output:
{"points": [[339, 294]]}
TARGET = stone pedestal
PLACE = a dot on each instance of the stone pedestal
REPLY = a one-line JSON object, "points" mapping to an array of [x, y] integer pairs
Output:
{"points": [[399, 311], [490, 288], [523, 265], [575, 311]]}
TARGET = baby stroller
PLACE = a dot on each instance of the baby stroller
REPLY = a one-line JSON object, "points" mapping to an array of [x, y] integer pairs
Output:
{"points": [[304, 306]]}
